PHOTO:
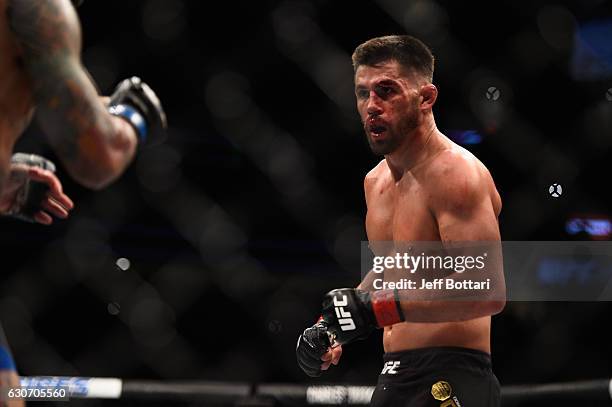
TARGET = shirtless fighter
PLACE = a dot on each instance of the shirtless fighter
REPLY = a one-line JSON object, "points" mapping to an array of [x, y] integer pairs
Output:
{"points": [[427, 188], [95, 138]]}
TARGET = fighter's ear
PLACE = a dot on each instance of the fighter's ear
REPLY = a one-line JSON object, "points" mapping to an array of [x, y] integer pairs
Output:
{"points": [[429, 94]]}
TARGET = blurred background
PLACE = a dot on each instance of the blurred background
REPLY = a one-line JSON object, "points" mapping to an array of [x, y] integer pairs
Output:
{"points": [[212, 253]]}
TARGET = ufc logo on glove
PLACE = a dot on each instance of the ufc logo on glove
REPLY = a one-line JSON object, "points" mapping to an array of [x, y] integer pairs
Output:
{"points": [[344, 317]]}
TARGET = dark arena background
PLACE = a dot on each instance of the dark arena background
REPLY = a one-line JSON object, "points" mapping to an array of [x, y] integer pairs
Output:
{"points": [[208, 258]]}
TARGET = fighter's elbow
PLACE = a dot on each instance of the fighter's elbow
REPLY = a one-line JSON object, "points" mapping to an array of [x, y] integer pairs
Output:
{"points": [[93, 178], [95, 184], [495, 306], [95, 171], [102, 160]]}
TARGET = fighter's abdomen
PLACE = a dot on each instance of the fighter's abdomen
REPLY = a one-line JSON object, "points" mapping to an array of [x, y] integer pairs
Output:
{"points": [[473, 334]]}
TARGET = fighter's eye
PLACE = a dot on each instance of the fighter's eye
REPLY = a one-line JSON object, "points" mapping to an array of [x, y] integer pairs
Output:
{"points": [[384, 90], [362, 93]]}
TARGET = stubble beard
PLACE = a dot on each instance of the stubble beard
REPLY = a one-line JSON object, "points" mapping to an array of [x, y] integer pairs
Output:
{"points": [[395, 136]]}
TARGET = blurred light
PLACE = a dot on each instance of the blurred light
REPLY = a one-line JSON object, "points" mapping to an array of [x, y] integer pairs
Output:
{"points": [[159, 168], [557, 26], [275, 326], [493, 93], [424, 10], [484, 88], [592, 56], [152, 322], [563, 271], [532, 51], [292, 22], [123, 263], [412, 14], [113, 308], [596, 227], [326, 63], [555, 190], [103, 65], [227, 96], [86, 245], [163, 20], [465, 137], [348, 234]]}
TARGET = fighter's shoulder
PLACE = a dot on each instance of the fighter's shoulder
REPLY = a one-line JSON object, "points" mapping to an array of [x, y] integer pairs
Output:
{"points": [[375, 174], [456, 174], [45, 26]]}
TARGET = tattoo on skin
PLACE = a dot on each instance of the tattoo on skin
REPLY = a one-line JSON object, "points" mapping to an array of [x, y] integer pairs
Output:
{"points": [[49, 37]]}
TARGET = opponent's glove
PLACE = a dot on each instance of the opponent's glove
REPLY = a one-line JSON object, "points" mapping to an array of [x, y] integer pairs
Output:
{"points": [[136, 102], [30, 194], [312, 344], [353, 314]]}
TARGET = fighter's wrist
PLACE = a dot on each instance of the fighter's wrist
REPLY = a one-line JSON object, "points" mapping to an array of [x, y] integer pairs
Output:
{"points": [[386, 307], [133, 117]]}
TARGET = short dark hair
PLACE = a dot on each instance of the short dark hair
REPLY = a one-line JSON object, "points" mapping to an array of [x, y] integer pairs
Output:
{"points": [[410, 52]]}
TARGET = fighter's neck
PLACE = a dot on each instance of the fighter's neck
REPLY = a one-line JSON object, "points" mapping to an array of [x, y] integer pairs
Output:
{"points": [[420, 144]]}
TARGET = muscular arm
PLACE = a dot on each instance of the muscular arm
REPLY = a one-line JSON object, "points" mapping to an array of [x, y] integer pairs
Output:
{"points": [[94, 146], [464, 212]]}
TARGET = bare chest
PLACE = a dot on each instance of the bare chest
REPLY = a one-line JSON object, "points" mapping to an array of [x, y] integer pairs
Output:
{"points": [[400, 213]]}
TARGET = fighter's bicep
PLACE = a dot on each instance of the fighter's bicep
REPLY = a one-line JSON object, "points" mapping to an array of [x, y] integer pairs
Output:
{"points": [[67, 103], [473, 223]]}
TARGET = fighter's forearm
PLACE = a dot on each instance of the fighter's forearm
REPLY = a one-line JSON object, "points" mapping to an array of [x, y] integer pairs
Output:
{"points": [[449, 311], [94, 146], [437, 293], [367, 281]]}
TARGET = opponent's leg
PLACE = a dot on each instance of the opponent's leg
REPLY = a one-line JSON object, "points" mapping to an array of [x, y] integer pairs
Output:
{"points": [[8, 374]]}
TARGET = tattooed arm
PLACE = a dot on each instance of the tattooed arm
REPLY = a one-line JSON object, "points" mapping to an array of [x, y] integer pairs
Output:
{"points": [[94, 146]]}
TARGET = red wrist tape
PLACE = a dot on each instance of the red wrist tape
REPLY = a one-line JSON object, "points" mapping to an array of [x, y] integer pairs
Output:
{"points": [[386, 307]]}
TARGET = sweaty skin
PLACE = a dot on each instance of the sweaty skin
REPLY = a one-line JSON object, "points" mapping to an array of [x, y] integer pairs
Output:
{"points": [[40, 68], [426, 188]]}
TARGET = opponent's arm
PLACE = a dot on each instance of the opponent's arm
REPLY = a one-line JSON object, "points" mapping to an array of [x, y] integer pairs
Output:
{"points": [[94, 146]]}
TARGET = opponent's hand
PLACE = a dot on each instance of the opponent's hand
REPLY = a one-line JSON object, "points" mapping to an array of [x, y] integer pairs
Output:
{"points": [[33, 193], [314, 352], [353, 314], [134, 101]]}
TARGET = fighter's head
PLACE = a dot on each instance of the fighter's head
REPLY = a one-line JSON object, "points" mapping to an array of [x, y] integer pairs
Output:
{"points": [[393, 87], [414, 56]]}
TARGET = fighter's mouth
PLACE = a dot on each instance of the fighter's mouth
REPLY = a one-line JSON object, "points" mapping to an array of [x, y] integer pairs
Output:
{"points": [[377, 130]]}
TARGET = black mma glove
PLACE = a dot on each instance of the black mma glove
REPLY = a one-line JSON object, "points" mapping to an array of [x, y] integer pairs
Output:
{"points": [[312, 344], [30, 194], [353, 314], [135, 101]]}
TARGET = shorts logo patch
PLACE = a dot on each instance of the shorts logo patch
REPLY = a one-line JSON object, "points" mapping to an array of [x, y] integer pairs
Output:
{"points": [[390, 367], [441, 391], [450, 403]]}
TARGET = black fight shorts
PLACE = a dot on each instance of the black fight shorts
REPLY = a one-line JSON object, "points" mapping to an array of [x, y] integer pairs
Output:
{"points": [[437, 377]]}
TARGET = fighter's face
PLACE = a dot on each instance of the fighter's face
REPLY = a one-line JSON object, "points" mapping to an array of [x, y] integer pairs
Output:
{"points": [[388, 103]]}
